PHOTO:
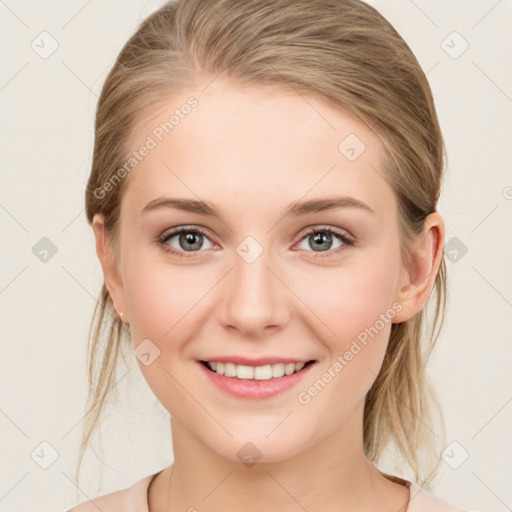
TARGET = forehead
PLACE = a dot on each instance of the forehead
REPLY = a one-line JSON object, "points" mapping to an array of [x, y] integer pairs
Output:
{"points": [[254, 146]]}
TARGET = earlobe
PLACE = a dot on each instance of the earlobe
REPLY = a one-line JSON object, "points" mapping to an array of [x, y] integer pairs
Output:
{"points": [[111, 274], [416, 284]]}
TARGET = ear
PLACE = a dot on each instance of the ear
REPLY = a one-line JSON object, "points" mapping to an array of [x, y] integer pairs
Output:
{"points": [[111, 273], [414, 287]]}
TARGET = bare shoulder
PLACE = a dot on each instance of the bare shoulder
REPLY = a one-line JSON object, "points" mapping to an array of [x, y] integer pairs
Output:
{"points": [[112, 502], [130, 499], [423, 501]]}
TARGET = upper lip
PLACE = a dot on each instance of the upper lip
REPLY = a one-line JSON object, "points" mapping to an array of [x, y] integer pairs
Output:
{"points": [[260, 361]]}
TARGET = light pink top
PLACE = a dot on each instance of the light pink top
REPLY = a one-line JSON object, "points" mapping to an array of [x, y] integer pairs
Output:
{"points": [[135, 499]]}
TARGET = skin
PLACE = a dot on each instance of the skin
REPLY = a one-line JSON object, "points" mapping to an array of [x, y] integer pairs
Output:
{"points": [[251, 152]]}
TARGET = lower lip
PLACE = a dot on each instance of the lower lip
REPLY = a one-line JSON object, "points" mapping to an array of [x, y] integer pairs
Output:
{"points": [[245, 388]]}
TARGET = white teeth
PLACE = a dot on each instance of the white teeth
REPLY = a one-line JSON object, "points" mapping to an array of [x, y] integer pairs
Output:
{"points": [[230, 370], [243, 372], [265, 372]]}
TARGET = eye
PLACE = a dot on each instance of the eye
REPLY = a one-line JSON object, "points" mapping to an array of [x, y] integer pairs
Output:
{"points": [[192, 240], [321, 240], [188, 240]]}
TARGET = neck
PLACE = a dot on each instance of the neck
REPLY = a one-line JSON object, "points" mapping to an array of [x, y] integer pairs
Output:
{"points": [[330, 475]]}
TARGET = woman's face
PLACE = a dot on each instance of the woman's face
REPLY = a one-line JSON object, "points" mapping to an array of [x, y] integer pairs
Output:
{"points": [[256, 284]]}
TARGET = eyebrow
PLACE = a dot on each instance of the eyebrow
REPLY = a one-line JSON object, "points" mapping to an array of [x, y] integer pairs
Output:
{"points": [[295, 209]]}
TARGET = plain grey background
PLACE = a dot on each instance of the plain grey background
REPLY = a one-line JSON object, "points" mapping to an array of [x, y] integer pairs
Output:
{"points": [[55, 56]]}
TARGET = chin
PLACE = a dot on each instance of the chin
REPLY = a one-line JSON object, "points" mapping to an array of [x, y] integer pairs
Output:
{"points": [[252, 449]]}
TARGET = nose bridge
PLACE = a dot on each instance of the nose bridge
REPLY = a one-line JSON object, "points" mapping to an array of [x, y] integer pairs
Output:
{"points": [[255, 297]]}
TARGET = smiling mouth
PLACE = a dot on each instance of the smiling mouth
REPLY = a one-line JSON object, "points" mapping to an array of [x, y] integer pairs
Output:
{"points": [[265, 372]]}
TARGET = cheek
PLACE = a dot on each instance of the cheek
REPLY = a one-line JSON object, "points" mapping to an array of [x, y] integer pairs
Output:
{"points": [[159, 296], [150, 305], [356, 312], [160, 302], [352, 298], [355, 306]]}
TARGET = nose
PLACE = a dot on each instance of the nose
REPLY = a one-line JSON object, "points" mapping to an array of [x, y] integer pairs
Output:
{"points": [[255, 298]]}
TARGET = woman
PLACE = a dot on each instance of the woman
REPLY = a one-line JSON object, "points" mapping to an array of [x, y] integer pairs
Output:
{"points": [[263, 197]]}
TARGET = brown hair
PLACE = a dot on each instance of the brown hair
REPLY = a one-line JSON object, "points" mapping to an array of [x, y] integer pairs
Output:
{"points": [[342, 51]]}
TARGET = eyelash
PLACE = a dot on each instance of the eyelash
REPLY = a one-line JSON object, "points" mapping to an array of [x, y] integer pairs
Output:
{"points": [[347, 242]]}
